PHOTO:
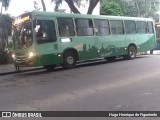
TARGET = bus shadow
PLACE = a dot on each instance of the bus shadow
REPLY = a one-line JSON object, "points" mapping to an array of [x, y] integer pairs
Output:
{"points": [[34, 72]]}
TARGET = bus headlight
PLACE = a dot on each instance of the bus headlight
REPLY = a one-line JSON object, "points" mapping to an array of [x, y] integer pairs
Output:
{"points": [[13, 56], [31, 54]]}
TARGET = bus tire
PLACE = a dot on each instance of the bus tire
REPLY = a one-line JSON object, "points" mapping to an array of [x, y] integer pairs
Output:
{"points": [[132, 51], [69, 60]]}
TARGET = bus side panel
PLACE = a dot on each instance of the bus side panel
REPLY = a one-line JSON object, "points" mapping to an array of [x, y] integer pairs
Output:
{"points": [[142, 42], [85, 46], [48, 54], [112, 45], [152, 41], [131, 39], [89, 50]]}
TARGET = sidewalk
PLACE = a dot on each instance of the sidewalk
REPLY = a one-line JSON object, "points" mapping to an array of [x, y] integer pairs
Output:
{"points": [[10, 69], [7, 68]]}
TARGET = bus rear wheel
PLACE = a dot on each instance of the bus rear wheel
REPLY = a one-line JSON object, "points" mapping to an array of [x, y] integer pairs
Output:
{"points": [[69, 60], [131, 53]]}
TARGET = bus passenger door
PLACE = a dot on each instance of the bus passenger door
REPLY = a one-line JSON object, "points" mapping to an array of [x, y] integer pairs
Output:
{"points": [[46, 42]]}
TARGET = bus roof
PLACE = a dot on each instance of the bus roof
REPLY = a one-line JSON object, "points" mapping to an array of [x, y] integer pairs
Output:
{"points": [[57, 14]]}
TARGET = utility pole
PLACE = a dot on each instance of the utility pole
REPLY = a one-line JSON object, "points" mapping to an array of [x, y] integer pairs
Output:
{"points": [[1, 24], [145, 8]]}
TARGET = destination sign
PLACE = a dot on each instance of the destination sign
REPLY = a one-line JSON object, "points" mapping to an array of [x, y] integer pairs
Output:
{"points": [[158, 25], [22, 19]]}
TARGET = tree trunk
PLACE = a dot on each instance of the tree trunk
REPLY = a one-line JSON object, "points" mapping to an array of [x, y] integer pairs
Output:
{"points": [[43, 5], [1, 10], [72, 6], [92, 5]]}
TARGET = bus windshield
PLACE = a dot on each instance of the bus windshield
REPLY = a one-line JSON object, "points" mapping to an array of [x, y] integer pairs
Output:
{"points": [[22, 35]]}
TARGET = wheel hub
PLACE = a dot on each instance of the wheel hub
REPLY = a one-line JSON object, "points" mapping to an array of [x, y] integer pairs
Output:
{"points": [[70, 60]]}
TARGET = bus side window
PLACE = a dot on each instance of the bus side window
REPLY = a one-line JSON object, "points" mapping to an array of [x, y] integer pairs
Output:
{"points": [[117, 27], [45, 31], [141, 27], [65, 27], [39, 32], [84, 27], [130, 27], [102, 27]]}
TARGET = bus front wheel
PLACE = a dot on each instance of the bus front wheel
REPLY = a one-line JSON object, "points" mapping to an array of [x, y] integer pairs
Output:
{"points": [[131, 53], [69, 60]]}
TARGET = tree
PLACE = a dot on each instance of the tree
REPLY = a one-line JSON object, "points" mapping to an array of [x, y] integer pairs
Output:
{"points": [[6, 26], [128, 9], [43, 5], [36, 5], [111, 8], [72, 5], [5, 31], [4, 23], [5, 4], [92, 5], [137, 8], [146, 8]]}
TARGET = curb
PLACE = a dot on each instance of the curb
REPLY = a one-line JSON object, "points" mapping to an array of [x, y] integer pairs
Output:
{"points": [[16, 72]]}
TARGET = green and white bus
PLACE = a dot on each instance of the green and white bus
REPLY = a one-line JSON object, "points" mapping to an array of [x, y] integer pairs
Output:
{"points": [[49, 39]]}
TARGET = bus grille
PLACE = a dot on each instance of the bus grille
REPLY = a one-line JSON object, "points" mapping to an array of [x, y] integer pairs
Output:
{"points": [[21, 59]]}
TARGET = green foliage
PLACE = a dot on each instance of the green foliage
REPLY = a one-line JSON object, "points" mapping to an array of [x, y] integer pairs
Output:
{"points": [[147, 8], [6, 22], [135, 8], [129, 10], [5, 4], [111, 8], [57, 3]]}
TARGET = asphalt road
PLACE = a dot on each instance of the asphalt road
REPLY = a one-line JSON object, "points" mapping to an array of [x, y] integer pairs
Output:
{"points": [[130, 85]]}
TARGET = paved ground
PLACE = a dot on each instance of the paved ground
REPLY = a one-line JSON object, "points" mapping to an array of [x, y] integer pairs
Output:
{"points": [[124, 85], [10, 67], [7, 68]]}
